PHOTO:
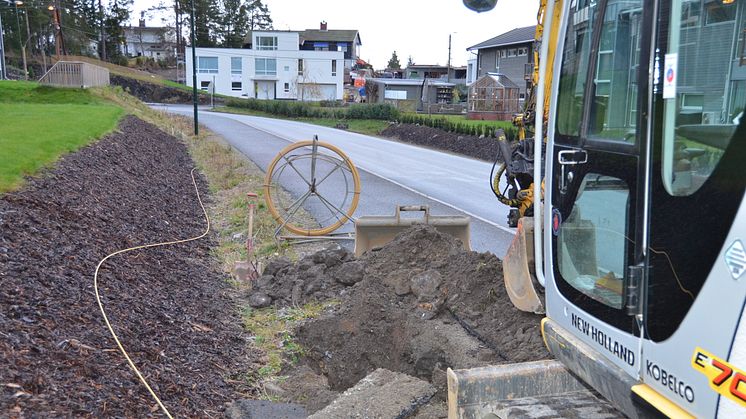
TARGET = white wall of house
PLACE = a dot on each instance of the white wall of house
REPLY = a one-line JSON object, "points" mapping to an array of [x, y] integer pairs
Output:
{"points": [[249, 72], [471, 71], [158, 43]]}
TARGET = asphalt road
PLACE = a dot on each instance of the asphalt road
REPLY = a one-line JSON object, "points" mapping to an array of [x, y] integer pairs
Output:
{"points": [[391, 173]]}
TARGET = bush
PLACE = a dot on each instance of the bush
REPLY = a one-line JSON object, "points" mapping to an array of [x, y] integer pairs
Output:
{"points": [[294, 109]]}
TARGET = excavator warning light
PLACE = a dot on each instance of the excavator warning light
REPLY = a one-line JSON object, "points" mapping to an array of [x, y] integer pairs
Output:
{"points": [[480, 5]]}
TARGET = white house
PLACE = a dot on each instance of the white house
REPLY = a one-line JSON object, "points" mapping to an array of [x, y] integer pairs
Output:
{"points": [[273, 68], [152, 42]]}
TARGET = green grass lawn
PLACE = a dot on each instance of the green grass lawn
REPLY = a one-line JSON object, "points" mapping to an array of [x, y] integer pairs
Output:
{"points": [[38, 124], [361, 126]]}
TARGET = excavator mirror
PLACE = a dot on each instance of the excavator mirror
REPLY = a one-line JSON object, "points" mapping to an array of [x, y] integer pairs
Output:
{"points": [[480, 5]]}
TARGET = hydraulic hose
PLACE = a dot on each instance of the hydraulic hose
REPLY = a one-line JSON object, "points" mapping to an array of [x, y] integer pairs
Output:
{"points": [[103, 312]]}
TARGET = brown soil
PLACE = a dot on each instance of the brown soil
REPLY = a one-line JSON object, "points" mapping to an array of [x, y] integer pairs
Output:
{"points": [[467, 145], [170, 306], [422, 304], [155, 93]]}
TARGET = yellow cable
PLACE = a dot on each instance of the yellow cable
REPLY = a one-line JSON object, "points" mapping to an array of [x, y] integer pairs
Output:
{"points": [[101, 306]]}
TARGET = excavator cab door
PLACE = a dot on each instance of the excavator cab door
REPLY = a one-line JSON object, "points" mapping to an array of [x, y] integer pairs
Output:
{"points": [[596, 183]]}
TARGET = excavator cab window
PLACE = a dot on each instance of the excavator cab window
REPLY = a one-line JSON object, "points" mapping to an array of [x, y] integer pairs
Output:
{"points": [[593, 240], [574, 70], [704, 99], [697, 177]]}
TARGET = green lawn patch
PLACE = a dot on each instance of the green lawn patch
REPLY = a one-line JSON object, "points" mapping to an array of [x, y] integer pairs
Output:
{"points": [[38, 124], [30, 92]]}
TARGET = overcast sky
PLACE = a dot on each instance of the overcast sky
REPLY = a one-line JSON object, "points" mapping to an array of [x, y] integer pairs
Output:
{"points": [[417, 28]]}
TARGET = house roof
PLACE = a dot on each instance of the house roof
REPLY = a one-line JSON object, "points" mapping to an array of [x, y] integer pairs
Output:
{"points": [[516, 36], [411, 82], [333, 35], [498, 79]]}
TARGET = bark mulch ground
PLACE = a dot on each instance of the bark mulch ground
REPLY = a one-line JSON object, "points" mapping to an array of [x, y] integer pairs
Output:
{"points": [[171, 307]]}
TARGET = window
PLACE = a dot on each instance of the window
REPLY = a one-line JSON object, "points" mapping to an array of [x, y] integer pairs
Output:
{"points": [[265, 66], [266, 43], [701, 108], [287, 87], [592, 243], [718, 12], [300, 66], [692, 102], [691, 11], [321, 46], [342, 47], [236, 66], [236, 86], [574, 72], [615, 81], [286, 68], [207, 65], [522, 52], [512, 52], [502, 53], [204, 85], [334, 68]]}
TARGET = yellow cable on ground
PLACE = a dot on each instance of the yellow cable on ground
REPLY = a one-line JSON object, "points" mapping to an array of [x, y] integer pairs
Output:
{"points": [[101, 306]]}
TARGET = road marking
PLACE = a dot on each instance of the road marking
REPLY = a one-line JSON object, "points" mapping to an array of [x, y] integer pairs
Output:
{"points": [[288, 139]]}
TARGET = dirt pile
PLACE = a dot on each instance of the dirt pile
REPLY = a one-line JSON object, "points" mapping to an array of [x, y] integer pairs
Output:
{"points": [[467, 145], [423, 305], [321, 276], [170, 306], [156, 93]]}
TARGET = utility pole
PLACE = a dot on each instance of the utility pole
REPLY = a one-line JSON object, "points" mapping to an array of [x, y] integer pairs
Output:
{"points": [[448, 76], [3, 72], [28, 30], [59, 39], [20, 42], [194, 77], [103, 33]]}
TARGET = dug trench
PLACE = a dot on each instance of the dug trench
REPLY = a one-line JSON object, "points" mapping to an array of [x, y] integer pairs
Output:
{"points": [[419, 305]]}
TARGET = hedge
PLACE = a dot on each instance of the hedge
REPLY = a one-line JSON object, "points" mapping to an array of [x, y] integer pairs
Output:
{"points": [[458, 127], [295, 109]]}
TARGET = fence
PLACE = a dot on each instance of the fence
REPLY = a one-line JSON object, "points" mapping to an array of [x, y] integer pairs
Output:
{"points": [[76, 74]]}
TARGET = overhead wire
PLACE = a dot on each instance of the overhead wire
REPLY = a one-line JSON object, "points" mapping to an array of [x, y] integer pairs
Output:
{"points": [[103, 311]]}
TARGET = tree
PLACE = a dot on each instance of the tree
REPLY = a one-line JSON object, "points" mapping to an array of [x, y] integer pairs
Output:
{"points": [[258, 16], [234, 23], [410, 61], [394, 62], [115, 18]]}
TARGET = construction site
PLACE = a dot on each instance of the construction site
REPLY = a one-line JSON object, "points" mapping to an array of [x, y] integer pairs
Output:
{"points": [[169, 251]]}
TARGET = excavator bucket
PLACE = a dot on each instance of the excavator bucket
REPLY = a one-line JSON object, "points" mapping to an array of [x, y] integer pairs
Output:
{"points": [[374, 231], [518, 269]]}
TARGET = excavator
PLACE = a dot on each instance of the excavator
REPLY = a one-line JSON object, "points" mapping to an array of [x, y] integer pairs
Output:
{"points": [[626, 187]]}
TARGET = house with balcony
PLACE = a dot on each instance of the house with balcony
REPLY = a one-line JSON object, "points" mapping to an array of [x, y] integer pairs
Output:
{"points": [[325, 39], [510, 54], [272, 65], [158, 43]]}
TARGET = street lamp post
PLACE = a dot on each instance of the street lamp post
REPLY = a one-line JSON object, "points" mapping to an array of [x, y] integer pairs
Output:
{"points": [[194, 77], [3, 73]]}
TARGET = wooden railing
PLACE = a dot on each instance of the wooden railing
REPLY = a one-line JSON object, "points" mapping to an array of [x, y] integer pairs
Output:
{"points": [[76, 74]]}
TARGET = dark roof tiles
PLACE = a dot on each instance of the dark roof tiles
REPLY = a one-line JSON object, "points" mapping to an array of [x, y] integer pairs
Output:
{"points": [[516, 36]]}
